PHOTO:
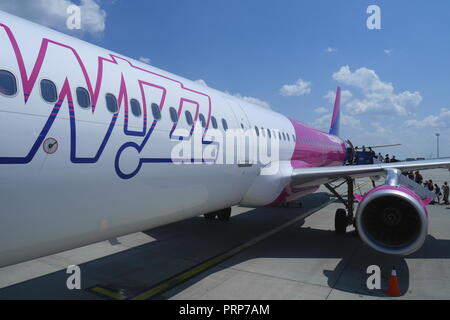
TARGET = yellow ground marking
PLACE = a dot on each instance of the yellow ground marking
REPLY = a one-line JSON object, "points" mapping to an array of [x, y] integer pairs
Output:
{"points": [[172, 282], [108, 293], [196, 270]]}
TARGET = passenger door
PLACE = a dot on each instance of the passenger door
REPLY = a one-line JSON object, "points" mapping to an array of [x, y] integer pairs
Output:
{"points": [[242, 122]]}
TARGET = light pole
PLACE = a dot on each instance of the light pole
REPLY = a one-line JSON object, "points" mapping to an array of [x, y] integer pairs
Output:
{"points": [[437, 136]]}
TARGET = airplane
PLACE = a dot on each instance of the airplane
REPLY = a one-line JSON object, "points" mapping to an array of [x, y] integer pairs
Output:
{"points": [[87, 138]]}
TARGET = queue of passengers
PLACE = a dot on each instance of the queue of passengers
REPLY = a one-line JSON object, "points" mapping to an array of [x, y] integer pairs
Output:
{"points": [[417, 177], [444, 191], [429, 185], [379, 158], [387, 159]]}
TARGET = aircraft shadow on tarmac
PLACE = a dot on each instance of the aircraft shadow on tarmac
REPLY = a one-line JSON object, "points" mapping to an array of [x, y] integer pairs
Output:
{"points": [[349, 275], [182, 245]]}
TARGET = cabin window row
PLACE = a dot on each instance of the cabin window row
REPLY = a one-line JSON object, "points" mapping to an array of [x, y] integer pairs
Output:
{"points": [[190, 120], [8, 87], [282, 136]]}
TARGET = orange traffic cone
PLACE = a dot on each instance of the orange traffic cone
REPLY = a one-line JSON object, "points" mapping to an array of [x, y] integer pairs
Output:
{"points": [[394, 290]]}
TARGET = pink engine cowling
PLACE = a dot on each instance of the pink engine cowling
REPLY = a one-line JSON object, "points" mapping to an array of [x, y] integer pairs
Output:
{"points": [[392, 220]]}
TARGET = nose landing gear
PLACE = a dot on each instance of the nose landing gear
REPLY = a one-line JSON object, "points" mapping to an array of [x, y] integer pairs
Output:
{"points": [[344, 217], [340, 221]]}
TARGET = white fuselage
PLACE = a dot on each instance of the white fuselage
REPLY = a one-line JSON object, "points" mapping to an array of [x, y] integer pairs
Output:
{"points": [[87, 190]]}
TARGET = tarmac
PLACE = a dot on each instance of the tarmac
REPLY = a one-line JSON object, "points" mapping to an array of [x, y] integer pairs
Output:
{"points": [[261, 253]]}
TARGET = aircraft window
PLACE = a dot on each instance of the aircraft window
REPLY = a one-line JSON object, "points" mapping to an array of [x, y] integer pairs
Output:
{"points": [[48, 91], [135, 108], [111, 103], [269, 134], [257, 131], [156, 111], [287, 136], [279, 135], [214, 122], [173, 115], [202, 120], [8, 84], [224, 124], [294, 138], [83, 98], [284, 137], [242, 126], [189, 118]]}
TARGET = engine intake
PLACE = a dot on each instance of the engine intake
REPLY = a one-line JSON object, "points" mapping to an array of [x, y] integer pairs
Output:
{"points": [[392, 220]]}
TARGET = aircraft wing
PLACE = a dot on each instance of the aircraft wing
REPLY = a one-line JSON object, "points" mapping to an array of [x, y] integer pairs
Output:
{"points": [[321, 175]]}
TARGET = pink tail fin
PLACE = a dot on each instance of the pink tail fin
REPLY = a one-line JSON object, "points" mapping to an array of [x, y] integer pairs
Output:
{"points": [[335, 121]]}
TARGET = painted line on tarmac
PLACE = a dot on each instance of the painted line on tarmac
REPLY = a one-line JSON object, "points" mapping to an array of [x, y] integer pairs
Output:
{"points": [[362, 185], [190, 273], [184, 276], [106, 292]]}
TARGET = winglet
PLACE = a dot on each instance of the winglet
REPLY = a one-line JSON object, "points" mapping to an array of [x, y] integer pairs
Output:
{"points": [[335, 121]]}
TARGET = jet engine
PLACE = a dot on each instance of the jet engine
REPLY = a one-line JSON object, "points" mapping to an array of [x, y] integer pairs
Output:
{"points": [[393, 219]]}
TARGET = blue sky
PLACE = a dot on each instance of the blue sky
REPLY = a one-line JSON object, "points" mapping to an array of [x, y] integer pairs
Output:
{"points": [[396, 79]]}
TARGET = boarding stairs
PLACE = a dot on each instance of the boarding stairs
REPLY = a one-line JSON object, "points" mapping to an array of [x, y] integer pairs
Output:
{"points": [[420, 190]]}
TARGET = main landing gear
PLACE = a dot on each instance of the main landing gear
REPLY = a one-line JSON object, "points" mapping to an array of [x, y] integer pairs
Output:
{"points": [[221, 215], [344, 217]]}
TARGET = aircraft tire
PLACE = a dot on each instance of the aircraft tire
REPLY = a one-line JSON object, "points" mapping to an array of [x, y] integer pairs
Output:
{"points": [[224, 215], [210, 216], [340, 221]]}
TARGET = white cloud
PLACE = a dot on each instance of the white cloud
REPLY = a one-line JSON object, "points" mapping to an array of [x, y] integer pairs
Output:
{"points": [[380, 131], [363, 78], [53, 13], [345, 96], [351, 122], [321, 110], [440, 121], [367, 117], [323, 123], [388, 51], [201, 82], [299, 88], [330, 50], [254, 101], [378, 96], [145, 60]]}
